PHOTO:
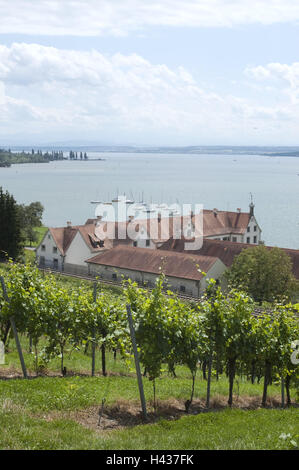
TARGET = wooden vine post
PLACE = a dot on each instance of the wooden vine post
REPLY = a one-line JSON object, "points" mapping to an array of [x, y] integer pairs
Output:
{"points": [[14, 329], [93, 344], [209, 380], [282, 391], [137, 363]]}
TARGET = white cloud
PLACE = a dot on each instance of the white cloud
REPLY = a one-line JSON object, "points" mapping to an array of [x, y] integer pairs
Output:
{"points": [[119, 17], [97, 93], [14, 112], [54, 93], [276, 70], [282, 75]]}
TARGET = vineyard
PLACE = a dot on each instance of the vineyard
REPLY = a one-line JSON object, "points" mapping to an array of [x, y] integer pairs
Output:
{"points": [[218, 336]]}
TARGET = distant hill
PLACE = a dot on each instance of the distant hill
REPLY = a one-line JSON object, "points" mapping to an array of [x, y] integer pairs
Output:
{"points": [[192, 150]]}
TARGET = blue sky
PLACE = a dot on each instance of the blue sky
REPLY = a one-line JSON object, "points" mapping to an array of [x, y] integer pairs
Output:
{"points": [[159, 72]]}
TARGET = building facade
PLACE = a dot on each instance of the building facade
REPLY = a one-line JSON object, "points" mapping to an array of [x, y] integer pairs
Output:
{"points": [[185, 273]]}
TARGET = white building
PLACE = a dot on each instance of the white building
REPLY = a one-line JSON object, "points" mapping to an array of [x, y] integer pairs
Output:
{"points": [[239, 227], [69, 248], [184, 272]]}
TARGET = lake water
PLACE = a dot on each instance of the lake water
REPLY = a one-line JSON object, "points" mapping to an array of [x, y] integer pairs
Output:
{"points": [[65, 188]]}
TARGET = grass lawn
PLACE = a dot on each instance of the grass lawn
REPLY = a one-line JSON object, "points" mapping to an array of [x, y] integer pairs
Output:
{"points": [[52, 412], [40, 232], [228, 429], [29, 255]]}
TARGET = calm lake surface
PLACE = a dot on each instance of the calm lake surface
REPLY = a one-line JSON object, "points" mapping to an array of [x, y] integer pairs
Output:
{"points": [[65, 188]]}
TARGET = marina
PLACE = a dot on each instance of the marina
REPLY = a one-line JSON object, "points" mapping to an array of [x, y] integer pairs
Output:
{"points": [[67, 189]]}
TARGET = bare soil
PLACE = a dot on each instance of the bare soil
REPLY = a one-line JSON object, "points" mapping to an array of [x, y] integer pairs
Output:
{"points": [[12, 373], [126, 414]]}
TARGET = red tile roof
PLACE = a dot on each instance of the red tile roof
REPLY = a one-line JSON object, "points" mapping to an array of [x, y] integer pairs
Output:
{"points": [[226, 251], [214, 223], [224, 222], [90, 237], [159, 230], [63, 237], [180, 265]]}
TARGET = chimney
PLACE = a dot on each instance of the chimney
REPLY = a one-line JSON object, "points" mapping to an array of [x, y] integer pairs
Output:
{"points": [[69, 224], [215, 212], [251, 209], [159, 217], [239, 210], [98, 220]]}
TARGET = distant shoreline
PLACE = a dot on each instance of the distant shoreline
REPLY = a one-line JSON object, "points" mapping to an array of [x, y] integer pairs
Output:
{"points": [[9, 165], [9, 157], [267, 151]]}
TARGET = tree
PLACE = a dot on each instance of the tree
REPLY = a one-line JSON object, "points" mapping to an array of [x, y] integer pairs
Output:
{"points": [[34, 213], [264, 273], [10, 230], [30, 217]]}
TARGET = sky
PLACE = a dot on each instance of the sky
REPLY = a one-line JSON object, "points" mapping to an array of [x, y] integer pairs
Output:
{"points": [[149, 72]]}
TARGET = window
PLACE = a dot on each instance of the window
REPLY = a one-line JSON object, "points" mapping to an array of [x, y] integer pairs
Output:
{"points": [[55, 263], [254, 239], [234, 239], [248, 240], [54, 249], [49, 236], [248, 229], [147, 242], [114, 277], [135, 243], [43, 247], [182, 288], [255, 228], [42, 261]]}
